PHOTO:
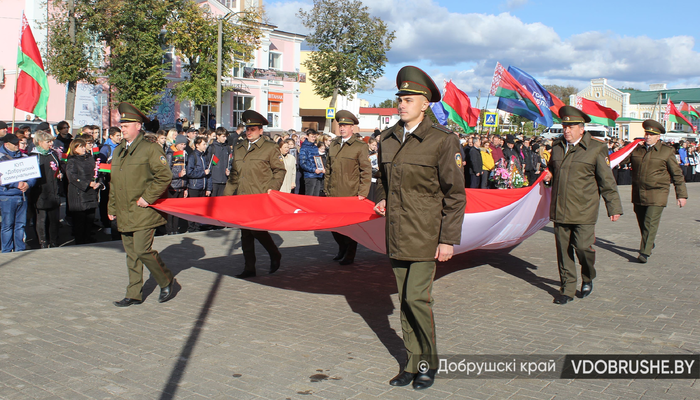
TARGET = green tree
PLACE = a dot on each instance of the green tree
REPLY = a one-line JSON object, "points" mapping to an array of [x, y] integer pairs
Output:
{"points": [[562, 92], [350, 48], [193, 32], [388, 103]]}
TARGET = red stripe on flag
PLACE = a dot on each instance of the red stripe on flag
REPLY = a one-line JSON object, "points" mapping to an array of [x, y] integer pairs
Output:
{"points": [[28, 44], [27, 93]]}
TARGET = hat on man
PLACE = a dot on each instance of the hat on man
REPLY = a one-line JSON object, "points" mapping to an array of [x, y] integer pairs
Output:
{"points": [[253, 118], [3, 125], [129, 113], [11, 138], [572, 116], [345, 117], [653, 127], [181, 139], [44, 126], [411, 80], [510, 139]]}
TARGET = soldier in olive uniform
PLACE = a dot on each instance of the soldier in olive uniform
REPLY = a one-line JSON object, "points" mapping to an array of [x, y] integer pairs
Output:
{"points": [[258, 167], [348, 173], [579, 170], [654, 168], [420, 190], [140, 175]]}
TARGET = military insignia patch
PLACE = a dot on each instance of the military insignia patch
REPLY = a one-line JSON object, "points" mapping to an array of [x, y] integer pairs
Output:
{"points": [[607, 161], [281, 158], [405, 85], [163, 161], [458, 160]]}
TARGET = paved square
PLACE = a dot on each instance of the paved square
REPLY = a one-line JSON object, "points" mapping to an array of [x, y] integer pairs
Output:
{"points": [[316, 329]]}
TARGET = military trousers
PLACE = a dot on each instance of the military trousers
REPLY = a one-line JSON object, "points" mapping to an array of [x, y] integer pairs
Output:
{"points": [[137, 246], [648, 218], [248, 246], [415, 283], [346, 246], [574, 239]]}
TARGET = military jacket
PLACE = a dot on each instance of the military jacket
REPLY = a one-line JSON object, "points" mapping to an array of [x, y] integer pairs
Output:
{"points": [[579, 178], [422, 181], [140, 170], [255, 170], [349, 172], [652, 173]]}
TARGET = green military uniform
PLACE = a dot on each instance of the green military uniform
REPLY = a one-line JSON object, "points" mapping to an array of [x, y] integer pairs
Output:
{"points": [[348, 173], [422, 181], [139, 170], [257, 168], [580, 176], [654, 168]]}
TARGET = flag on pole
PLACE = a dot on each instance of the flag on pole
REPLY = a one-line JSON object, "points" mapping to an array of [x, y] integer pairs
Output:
{"points": [[459, 107], [689, 111], [107, 168], [673, 115], [505, 85], [215, 160], [522, 108], [598, 113], [439, 112], [179, 154], [95, 149], [32, 91], [554, 108]]}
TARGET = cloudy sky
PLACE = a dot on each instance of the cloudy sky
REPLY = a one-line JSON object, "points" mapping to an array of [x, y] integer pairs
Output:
{"points": [[557, 42]]}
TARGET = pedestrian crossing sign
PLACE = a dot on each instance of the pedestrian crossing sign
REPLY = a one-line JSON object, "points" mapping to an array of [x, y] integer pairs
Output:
{"points": [[491, 119], [330, 113]]}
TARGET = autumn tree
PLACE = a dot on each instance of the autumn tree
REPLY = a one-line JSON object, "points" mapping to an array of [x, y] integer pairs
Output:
{"points": [[350, 48], [562, 92]]}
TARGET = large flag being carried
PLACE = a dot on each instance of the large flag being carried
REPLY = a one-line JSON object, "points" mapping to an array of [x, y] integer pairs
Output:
{"points": [[32, 92], [505, 85], [522, 108], [689, 111], [440, 113], [459, 107], [599, 114], [554, 108], [673, 115]]}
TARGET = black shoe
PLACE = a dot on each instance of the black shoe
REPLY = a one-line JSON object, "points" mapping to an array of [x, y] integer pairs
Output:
{"points": [[246, 274], [643, 258], [167, 292], [563, 299], [586, 288], [346, 261], [402, 379], [126, 302], [275, 264], [339, 256], [424, 380]]}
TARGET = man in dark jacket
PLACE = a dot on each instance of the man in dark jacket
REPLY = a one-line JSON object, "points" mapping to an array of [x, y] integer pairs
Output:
{"points": [[219, 154], [530, 159], [13, 200], [420, 190], [475, 164]]}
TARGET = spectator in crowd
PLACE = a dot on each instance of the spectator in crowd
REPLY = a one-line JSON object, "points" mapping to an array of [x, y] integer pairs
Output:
{"points": [[172, 134], [44, 193], [683, 154], [530, 160], [313, 175], [372, 147], [176, 156], [219, 154], [13, 200], [82, 189], [322, 152], [496, 150], [474, 164], [511, 154], [178, 127], [198, 178], [3, 129], [191, 135], [290, 164], [162, 138]]}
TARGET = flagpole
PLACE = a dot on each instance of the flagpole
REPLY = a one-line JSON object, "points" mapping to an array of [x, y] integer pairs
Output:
{"points": [[485, 110], [14, 96]]}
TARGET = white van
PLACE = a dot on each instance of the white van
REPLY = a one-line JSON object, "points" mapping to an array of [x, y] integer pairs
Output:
{"points": [[596, 130]]}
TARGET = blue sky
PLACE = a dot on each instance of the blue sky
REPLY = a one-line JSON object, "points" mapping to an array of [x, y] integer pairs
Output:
{"points": [[557, 42]]}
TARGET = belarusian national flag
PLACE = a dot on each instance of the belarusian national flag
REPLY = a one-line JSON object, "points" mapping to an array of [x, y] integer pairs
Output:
{"points": [[504, 85], [95, 149], [598, 113], [673, 115], [215, 160], [179, 154], [459, 107], [688, 111], [105, 168], [32, 92]]}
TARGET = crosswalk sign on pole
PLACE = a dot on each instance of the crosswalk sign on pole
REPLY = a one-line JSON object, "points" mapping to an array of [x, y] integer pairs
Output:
{"points": [[330, 113], [491, 119]]}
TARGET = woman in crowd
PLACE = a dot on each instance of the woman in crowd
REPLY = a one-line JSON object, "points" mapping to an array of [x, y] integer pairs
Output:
{"points": [[374, 161], [290, 164], [82, 189], [322, 149], [198, 182], [172, 134], [44, 193]]}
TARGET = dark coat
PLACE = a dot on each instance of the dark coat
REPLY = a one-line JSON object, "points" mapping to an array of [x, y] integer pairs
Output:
{"points": [[177, 165], [44, 193], [306, 160], [422, 181], [222, 152], [652, 173], [348, 172], [474, 161], [196, 178], [80, 171]]}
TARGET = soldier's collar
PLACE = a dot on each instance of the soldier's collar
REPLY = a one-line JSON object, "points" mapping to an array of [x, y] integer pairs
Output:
{"points": [[585, 140]]}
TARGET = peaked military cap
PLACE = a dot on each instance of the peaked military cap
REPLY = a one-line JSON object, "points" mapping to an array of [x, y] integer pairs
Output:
{"points": [[345, 117], [572, 115], [653, 127], [252, 118], [411, 80], [129, 113]]}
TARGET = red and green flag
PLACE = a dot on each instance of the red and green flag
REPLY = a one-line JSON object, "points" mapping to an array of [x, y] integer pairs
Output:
{"points": [[32, 91], [599, 114], [459, 107], [179, 154], [107, 168], [554, 108], [64, 156], [214, 160], [689, 111], [95, 149], [505, 85], [675, 116]]}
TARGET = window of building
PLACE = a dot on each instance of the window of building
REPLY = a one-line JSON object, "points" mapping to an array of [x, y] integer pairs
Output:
{"points": [[664, 96], [633, 115], [240, 104], [229, 3], [275, 60], [646, 115], [273, 114], [239, 67]]}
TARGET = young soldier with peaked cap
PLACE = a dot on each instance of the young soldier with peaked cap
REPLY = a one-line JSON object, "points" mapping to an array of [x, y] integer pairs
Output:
{"points": [[579, 170], [348, 173], [258, 167], [654, 168], [420, 190], [140, 175]]}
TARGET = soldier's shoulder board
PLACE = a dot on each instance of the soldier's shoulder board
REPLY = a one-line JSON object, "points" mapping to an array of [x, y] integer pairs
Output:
{"points": [[442, 128]]}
